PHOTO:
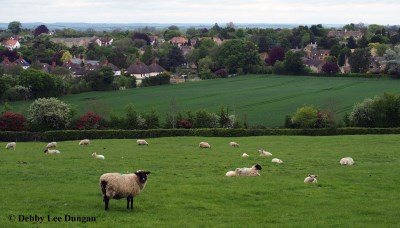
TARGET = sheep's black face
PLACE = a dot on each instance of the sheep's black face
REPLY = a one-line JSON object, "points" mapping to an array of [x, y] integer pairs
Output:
{"points": [[142, 176], [45, 150], [258, 167]]}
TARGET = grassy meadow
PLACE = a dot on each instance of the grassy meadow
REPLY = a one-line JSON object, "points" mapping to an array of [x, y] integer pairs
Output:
{"points": [[258, 99], [188, 187]]}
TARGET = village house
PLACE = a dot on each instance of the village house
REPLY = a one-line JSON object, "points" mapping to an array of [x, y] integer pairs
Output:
{"points": [[179, 41], [6, 63], [22, 62], [104, 41], [11, 44], [345, 34], [314, 64], [69, 42]]}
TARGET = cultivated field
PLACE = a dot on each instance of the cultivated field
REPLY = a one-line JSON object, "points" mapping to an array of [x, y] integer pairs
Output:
{"points": [[264, 100], [187, 187]]}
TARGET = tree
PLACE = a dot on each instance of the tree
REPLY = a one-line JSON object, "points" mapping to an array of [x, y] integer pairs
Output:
{"points": [[175, 58], [48, 114], [131, 117], [10, 121], [41, 84], [293, 63], [351, 43], [141, 36], [392, 60], [262, 44], [66, 56], [305, 117], [15, 27], [363, 42], [147, 56], [359, 60], [40, 30], [276, 54], [330, 68], [101, 79]]}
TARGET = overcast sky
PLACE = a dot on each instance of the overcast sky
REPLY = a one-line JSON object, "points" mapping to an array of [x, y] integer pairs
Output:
{"points": [[203, 11]]}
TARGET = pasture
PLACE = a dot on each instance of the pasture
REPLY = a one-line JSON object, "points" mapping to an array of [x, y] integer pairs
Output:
{"points": [[188, 187], [257, 99]]}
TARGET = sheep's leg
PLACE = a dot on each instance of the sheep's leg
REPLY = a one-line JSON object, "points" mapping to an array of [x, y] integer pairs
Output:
{"points": [[129, 199], [106, 199]]}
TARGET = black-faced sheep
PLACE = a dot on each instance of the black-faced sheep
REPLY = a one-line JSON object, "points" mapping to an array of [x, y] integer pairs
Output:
{"points": [[253, 171], [118, 186], [311, 179], [233, 144], [52, 144], [204, 145], [234, 173], [11, 145], [347, 161], [47, 151]]}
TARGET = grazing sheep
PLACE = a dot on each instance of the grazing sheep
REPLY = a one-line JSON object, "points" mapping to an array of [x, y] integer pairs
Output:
{"points": [[98, 156], [117, 186], [204, 145], [311, 179], [84, 142], [347, 161], [233, 173], [47, 151], [244, 155], [52, 144], [11, 145], [277, 160], [234, 144], [253, 171], [264, 153], [141, 142]]}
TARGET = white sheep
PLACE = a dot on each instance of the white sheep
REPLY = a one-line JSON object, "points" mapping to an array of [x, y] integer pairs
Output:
{"points": [[11, 145], [141, 142], [84, 142], [233, 144], [52, 144], [311, 179], [233, 173], [47, 151], [277, 160], [264, 153], [117, 186], [204, 145], [244, 155], [347, 161], [98, 156], [253, 171]]}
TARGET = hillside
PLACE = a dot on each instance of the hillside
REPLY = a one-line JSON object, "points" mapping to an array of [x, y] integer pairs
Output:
{"points": [[261, 100]]}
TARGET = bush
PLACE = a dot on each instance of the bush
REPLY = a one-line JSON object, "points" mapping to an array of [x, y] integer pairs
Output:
{"points": [[223, 73], [10, 121], [90, 121], [48, 114], [17, 93], [160, 79], [185, 124], [305, 117]]}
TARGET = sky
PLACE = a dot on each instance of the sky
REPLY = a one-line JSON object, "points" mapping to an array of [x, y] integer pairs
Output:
{"points": [[383, 12]]}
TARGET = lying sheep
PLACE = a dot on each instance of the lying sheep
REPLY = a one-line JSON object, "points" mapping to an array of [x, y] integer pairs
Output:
{"points": [[98, 156], [253, 171], [47, 151], [11, 145], [84, 142], [204, 145], [234, 144], [277, 160], [264, 153], [233, 173], [141, 142], [117, 186], [311, 179], [347, 161], [52, 144], [244, 155]]}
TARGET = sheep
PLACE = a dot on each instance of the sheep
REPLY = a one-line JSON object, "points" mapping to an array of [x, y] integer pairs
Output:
{"points": [[311, 179], [52, 144], [117, 186], [84, 142], [264, 153], [233, 144], [347, 161], [98, 156], [233, 173], [11, 145], [253, 171], [277, 160], [204, 145], [244, 155], [141, 142], [47, 151]]}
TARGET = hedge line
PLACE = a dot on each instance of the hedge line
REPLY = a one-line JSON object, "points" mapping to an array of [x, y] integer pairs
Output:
{"points": [[155, 133]]}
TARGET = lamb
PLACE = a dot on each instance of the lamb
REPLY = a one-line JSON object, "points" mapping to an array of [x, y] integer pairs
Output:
{"points": [[233, 173], [52, 144], [117, 186], [233, 144], [84, 142], [311, 179], [47, 151], [141, 142], [244, 155], [11, 145], [98, 156], [264, 153], [277, 160], [347, 161], [204, 145], [253, 171]]}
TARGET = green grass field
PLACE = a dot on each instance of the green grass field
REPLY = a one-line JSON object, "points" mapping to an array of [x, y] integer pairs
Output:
{"points": [[264, 100], [187, 187]]}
